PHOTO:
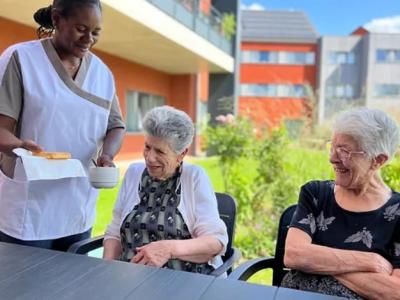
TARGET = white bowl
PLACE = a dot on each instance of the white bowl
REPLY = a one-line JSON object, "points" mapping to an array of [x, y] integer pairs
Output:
{"points": [[103, 177], [104, 185]]}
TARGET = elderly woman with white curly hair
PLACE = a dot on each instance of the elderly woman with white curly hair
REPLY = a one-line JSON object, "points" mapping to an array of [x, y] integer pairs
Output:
{"points": [[344, 238], [166, 214]]}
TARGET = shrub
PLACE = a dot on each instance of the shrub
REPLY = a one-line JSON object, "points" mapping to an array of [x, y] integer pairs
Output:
{"points": [[391, 174], [228, 25], [252, 168], [232, 141]]}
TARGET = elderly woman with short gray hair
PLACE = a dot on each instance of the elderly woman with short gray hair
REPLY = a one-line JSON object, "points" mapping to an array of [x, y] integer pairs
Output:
{"points": [[166, 214], [344, 238]]}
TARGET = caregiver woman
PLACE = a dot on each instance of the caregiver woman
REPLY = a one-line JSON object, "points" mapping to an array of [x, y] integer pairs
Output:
{"points": [[55, 95]]}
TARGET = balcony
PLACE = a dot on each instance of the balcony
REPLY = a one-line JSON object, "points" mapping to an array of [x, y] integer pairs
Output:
{"points": [[144, 32], [187, 12]]}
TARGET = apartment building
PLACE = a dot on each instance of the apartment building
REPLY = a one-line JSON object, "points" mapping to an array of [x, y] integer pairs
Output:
{"points": [[360, 69], [278, 72], [160, 52]]}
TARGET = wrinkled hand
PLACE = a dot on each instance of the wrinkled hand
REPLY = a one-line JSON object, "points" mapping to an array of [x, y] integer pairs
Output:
{"points": [[154, 254], [30, 145], [105, 160], [382, 265]]}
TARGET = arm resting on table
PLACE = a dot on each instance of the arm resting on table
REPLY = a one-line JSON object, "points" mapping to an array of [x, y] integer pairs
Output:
{"points": [[301, 254], [112, 249], [199, 250]]}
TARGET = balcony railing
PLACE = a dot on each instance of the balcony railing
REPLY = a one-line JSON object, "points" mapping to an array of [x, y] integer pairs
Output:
{"points": [[187, 12]]}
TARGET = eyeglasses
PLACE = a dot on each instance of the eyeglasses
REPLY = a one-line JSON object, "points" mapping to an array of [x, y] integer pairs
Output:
{"points": [[341, 152]]}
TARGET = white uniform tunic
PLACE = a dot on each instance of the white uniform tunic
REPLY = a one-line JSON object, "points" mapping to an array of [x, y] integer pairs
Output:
{"points": [[60, 114]]}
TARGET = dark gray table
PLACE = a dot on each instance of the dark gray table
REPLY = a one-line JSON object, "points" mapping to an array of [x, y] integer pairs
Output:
{"points": [[33, 273]]}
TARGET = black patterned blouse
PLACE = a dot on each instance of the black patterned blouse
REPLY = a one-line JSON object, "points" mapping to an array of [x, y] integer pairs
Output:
{"points": [[319, 215], [157, 217]]}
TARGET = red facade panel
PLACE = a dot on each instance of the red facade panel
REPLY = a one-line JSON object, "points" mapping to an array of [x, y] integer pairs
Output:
{"points": [[271, 112]]}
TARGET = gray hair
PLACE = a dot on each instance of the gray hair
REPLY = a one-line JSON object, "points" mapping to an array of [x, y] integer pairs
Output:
{"points": [[375, 132], [171, 124]]}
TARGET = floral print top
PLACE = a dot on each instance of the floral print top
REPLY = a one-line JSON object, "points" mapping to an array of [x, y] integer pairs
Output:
{"points": [[319, 215]]}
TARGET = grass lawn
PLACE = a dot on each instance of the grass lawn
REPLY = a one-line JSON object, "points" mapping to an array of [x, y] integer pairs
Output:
{"points": [[104, 207]]}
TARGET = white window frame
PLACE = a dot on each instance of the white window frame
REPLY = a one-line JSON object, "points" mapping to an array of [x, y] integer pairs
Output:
{"points": [[278, 57], [136, 108], [341, 58]]}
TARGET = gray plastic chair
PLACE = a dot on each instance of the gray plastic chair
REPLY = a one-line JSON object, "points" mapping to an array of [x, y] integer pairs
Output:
{"points": [[246, 270]]}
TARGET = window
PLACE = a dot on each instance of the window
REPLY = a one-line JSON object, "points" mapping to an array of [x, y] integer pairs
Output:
{"points": [[272, 90], [278, 57], [310, 58], [267, 57], [292, 91], [298, 91], [249, 56], [296, 58], [258, 90], [341, 91], [259, 57], [387, 55], [202, 114], [387, 90], [137, 105], [341, 57]]}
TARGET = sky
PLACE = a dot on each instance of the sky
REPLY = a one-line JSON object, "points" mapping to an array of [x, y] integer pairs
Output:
{"points": [[339, 17]]}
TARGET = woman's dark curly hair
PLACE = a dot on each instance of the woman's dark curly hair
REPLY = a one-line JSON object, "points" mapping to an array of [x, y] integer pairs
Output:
{"points": [[66, 7]]}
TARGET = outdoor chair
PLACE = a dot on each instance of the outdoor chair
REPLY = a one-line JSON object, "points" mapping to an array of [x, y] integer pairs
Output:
{"points": [[227, 212], [246, 270]]}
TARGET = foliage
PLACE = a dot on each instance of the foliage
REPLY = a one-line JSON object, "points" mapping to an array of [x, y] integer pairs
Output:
{"points": [[391, 174], [264, 174], [262, 197], [270, 153], [228, 24], [231, 141], [104, 206]]}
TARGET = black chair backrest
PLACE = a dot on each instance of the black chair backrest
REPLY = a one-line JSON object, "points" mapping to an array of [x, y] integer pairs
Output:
{"points": [[227, 212], [284, 222]]}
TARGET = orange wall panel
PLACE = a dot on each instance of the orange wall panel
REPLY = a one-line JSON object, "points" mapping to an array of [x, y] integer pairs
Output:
{"points": [[205, 6], [130, 76], [279, 73], [132, 147], [183, 96], [270, 113], [278, 47], [183, 93], [272, 73], [12, 33], [203, 83]]}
